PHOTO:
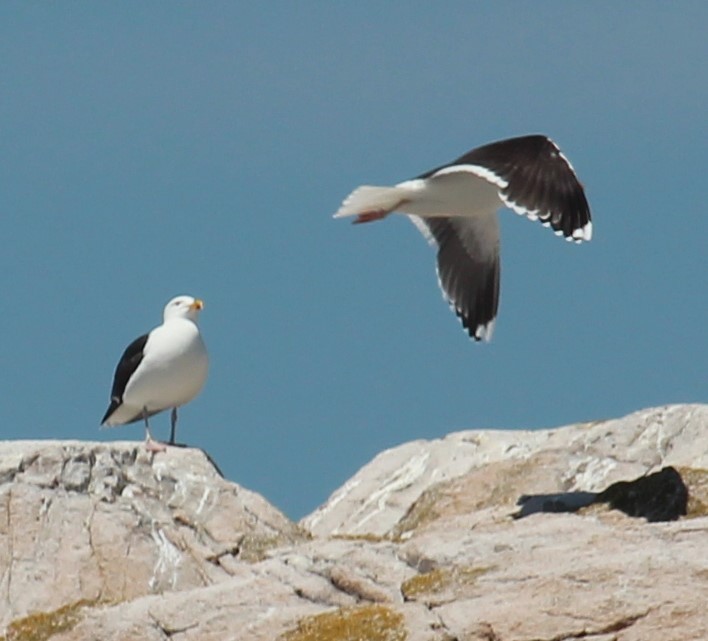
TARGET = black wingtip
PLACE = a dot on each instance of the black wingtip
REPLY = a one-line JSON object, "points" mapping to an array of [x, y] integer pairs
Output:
{"points": [[115, 404]]}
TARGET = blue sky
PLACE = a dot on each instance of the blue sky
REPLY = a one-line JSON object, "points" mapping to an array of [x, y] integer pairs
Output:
{"points": [[154, 149]]}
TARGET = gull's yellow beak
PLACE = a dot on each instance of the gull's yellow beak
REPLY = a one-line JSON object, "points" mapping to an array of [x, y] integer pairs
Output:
{"points": [[197, 304]]}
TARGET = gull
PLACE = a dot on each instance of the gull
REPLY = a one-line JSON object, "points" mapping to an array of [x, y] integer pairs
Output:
{"points": [[455, 207], [163, 369]]}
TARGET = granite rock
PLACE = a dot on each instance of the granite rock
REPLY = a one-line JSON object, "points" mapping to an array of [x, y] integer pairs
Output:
{"points": [[494, 467], [94, 522], [103, 542]]}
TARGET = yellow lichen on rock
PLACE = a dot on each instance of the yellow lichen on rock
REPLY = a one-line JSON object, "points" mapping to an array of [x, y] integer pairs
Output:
{"points": [[254, 547], [434, 582], [696, 479], [359, 623], [498, 484], [41, 626], [366, 538]]}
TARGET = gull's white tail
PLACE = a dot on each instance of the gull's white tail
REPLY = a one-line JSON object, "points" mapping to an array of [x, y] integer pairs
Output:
{"points": [[369, 198]]}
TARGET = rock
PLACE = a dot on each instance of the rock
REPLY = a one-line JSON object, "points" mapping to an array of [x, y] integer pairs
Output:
{"points": [[93, 522], [493, 467], [101, 542]]}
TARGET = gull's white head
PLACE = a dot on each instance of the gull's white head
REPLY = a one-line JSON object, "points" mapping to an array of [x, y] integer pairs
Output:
{"points": [[183, 307]]}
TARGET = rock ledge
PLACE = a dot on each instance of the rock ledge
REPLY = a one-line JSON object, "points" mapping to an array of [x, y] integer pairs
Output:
{"points": [[101, 541]]}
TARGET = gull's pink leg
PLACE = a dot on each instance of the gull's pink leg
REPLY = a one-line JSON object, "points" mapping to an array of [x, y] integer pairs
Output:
{"points": [[154, 446], [151, 445]]}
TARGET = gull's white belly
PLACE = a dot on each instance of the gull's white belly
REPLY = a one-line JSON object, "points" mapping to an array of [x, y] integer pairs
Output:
{"points": [[173, 370]]}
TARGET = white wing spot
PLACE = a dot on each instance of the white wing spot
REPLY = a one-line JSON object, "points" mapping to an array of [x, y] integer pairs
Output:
{"points": [[531, 214], [484, 332], [587, 230]]}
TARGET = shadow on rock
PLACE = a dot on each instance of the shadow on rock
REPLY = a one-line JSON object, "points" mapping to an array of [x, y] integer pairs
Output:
{"points": [[661, 496]]}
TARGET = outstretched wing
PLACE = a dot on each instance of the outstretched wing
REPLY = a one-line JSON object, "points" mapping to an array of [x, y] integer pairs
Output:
{"points": [[468, 267], [534, 179]]}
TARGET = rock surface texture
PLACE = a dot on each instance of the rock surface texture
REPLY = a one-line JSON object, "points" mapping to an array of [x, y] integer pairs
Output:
{"points": [[99, 541]]}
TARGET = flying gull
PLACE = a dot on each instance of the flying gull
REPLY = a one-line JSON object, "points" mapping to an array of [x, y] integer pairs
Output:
{"points": [[455, 207], [161, 370]]}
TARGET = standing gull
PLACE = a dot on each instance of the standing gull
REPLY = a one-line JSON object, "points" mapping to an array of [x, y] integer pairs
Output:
{"points": [[163, 369], [455, 207]]}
